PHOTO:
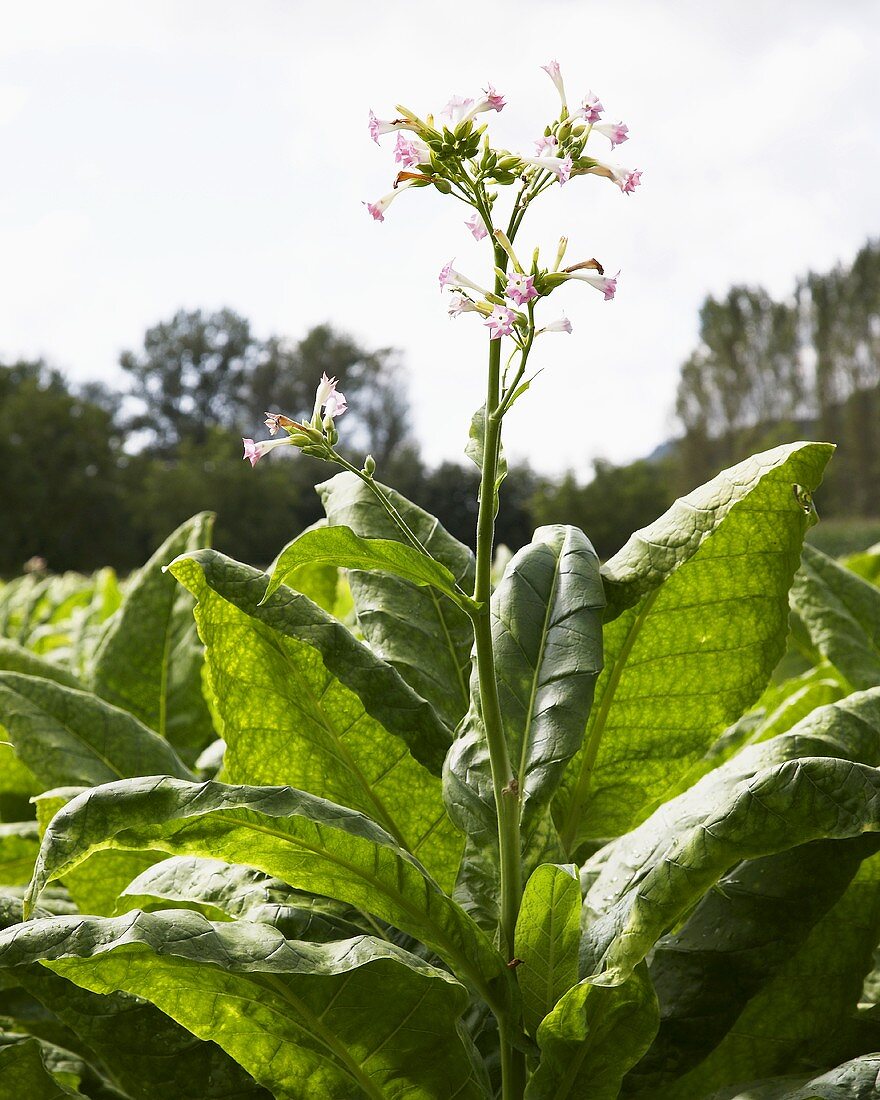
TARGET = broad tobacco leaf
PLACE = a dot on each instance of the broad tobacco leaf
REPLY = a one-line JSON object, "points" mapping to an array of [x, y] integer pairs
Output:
{"points": [[546, 941], [311, 1021], [848, 730], [146, 1053], [220, 890], [149, 660], [308, 842], [696, 622], [841, 614], [591, 1038], [304, 703], [800, 1016], [23, 1073], [547, 629], [780, 807], [740, 936], [65, 736], [422, 633], [340, 546]]}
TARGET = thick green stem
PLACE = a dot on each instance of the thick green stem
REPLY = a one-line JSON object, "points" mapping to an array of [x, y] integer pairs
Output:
{"points": [[504, 782]]}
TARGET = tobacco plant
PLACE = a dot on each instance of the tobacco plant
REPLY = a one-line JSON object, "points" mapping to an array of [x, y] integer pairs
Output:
{"points": [[393, 825]]}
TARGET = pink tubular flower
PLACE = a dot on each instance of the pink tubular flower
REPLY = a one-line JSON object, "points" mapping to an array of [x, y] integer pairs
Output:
{"points": [[274, 421], [591, 110], [629, 181], [377, 209], [379, 126], [616, 132], [552, 70], [495, 100], [545, 145], [459, 304], [560, 166], [253, 452], [335, 405], [607, 284], [500, 322], [410, 153], [561, 325], [520, 288], [450, 277], [475, 225], [456, 109], [329, 397]]}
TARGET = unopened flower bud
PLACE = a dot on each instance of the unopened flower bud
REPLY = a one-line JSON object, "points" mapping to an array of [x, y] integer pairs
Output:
{"points": [[369, 465]]}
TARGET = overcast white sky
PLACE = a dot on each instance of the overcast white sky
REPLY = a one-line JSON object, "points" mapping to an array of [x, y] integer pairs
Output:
{"points": [[157, 155]]}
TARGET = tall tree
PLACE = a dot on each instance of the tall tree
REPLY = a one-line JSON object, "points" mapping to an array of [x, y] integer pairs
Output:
{"points": [[191, 375], [373, 381], [767, 371], [61, 493], [201, 371]]}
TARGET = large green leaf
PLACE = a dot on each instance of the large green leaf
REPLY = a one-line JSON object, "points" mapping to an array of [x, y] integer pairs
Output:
{"points": [[15, 658], [795, 1023], [340, 546], [307, 842], [425, 635], [17, 785], [789, 804], [866, 564], [19, 844], [710, 580], [288, 718], [591, 1038], [149, 661], [222, 890], [65, 736], [849, 730], [735, 942], [854, 1080], [17, 782], [292, 622], [841, 613], [547, 632], [547, 939], [96, 883], [146, 1053], [24, 1075], [654, 553], [356, 1018]]}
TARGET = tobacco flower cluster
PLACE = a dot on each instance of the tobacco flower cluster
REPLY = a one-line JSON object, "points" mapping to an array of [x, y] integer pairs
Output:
{"points": [[454, 156], [315, 437]]}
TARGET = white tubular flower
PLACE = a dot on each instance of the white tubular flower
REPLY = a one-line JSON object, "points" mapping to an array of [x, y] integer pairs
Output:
{"points": [[552, 70], [561, 325]]}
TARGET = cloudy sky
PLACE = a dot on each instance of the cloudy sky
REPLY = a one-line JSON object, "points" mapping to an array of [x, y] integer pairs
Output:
{"points": [[158, 155]]}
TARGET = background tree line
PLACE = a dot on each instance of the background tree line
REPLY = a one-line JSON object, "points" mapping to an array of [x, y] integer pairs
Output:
{"points": [[94, 477]]}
